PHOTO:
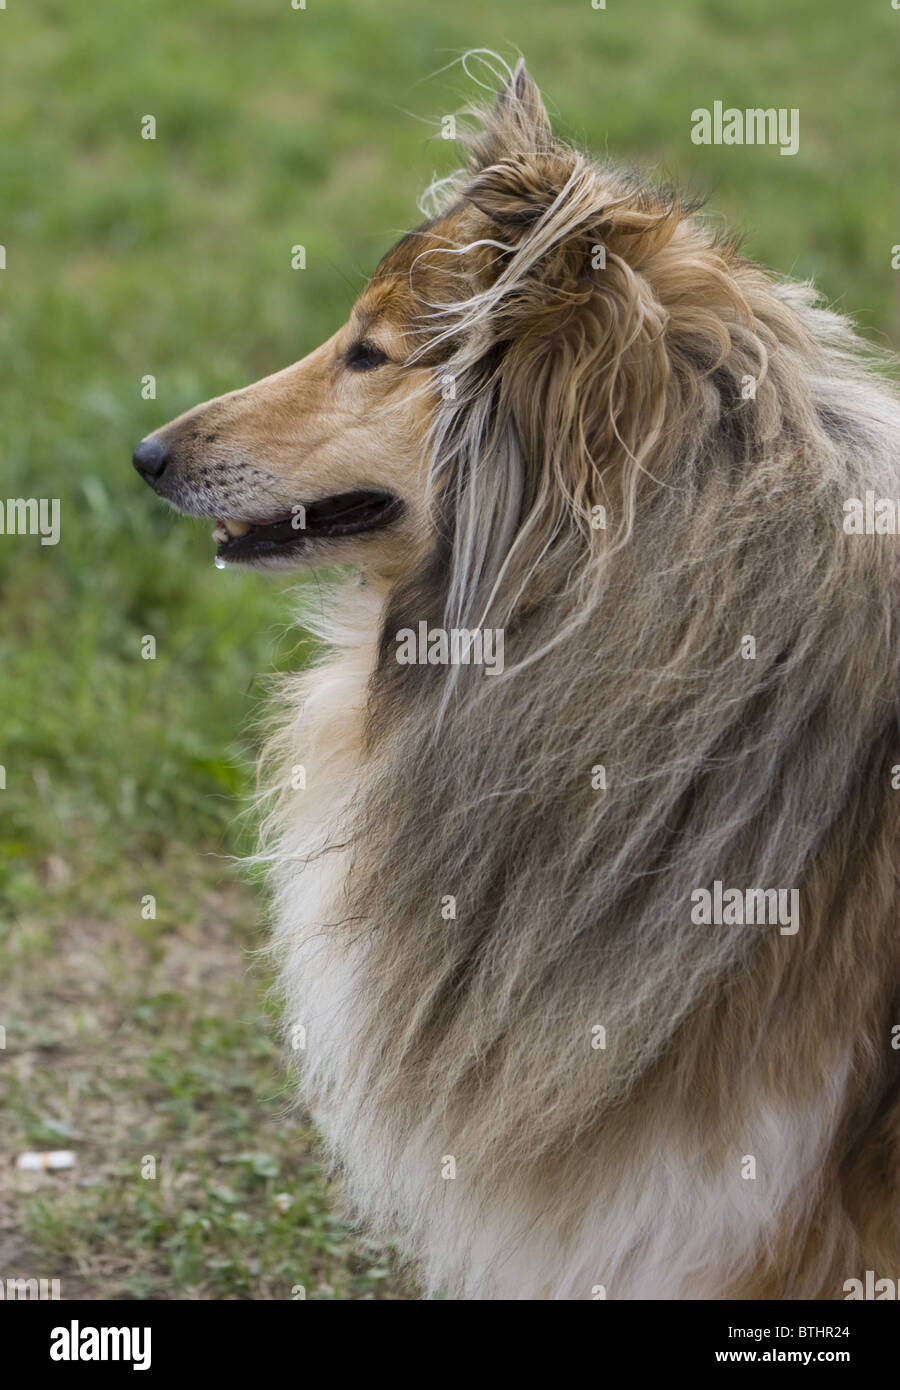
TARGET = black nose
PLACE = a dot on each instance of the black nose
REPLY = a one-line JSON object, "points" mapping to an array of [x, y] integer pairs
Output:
{"points": [[150, 458]]}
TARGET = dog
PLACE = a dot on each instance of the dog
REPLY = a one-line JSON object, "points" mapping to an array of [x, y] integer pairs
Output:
{"points": [[590, 962]]}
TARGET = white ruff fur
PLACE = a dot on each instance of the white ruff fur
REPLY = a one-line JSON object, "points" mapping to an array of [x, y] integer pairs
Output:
{"points": [[664, 1226]]}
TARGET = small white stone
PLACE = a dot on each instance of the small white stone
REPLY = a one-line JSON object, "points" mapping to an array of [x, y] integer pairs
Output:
{"points": [[56, 1158]]}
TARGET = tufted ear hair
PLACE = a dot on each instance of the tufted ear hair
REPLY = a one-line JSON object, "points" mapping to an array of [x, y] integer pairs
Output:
{"points": [[517, 190], [517, 124], [516, 166]]}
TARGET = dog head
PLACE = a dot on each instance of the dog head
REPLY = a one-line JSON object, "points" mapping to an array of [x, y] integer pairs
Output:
{"points": [[321, 462], [505, 372], [326, 461]]}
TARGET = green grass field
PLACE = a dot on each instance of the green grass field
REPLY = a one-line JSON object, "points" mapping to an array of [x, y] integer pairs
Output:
{"points": [[125, 777]]}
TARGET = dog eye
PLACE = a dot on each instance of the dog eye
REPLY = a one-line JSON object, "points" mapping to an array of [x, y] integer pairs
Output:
{"points": [[365, 357]]}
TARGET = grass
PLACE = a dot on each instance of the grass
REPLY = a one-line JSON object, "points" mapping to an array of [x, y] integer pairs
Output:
{"points": [[156, 1063], [125, 777]]}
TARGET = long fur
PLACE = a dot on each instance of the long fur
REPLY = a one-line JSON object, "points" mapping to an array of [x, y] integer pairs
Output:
{"points": [[621, 1167]]}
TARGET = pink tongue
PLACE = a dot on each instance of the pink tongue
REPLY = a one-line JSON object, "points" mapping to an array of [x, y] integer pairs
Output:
{"points": [[274, 520]]}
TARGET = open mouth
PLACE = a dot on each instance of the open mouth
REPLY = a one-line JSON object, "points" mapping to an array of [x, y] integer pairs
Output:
{"points": [[347, 514]]}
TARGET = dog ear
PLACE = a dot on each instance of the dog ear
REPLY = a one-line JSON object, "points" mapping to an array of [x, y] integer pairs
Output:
{"points": [[518, 124], [516, 166], [517, 190]]}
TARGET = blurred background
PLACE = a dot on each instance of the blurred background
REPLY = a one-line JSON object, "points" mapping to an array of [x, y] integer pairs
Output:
{"points": [[129, 1034]]}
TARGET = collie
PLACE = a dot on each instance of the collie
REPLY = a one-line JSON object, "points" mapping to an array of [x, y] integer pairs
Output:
{"points": [[568, 412]]}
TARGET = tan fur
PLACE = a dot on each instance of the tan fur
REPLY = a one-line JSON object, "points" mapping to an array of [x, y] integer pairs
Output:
{"points": [[428, 1039]]}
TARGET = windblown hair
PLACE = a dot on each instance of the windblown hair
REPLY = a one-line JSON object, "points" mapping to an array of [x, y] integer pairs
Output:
{"points": [[613, 359]]}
